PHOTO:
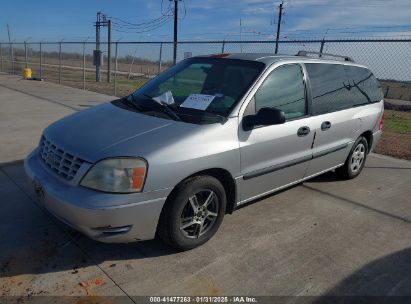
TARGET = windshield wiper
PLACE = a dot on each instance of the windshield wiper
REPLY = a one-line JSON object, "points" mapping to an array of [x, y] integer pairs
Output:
{"points": [[205, 116], [168, 109], [222, 118], [131, 103]]}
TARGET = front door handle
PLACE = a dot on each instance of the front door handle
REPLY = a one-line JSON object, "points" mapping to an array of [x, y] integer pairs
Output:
{"points": [[325, 125], [303, 131]]}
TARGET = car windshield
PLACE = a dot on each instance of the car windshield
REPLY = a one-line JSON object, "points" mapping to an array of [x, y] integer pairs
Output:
{"points": [[200, 85]]}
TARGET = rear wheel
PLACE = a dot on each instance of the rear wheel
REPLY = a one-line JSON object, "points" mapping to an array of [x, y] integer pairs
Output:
{"points": [[355, 160], [193, 214]]}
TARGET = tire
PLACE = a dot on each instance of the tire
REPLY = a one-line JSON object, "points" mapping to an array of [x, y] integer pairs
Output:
{"points": [[355, 160], [193, 213]]}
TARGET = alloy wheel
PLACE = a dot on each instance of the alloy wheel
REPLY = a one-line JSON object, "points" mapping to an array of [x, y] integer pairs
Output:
{"points": [[199, 214], [357, 158]]}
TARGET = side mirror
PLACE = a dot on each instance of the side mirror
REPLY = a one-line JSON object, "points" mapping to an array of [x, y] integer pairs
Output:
{"points": [[264, 117]]}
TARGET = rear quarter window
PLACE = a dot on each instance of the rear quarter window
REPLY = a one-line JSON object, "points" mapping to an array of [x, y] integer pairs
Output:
{"points": [[337, 87], [363, 86]]}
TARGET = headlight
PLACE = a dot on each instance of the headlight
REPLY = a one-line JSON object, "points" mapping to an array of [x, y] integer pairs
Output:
{"points": [[117, 175]]}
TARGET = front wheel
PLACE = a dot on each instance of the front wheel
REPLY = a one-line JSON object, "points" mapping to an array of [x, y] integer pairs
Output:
{"points": [[193, 213], [355, 161]]}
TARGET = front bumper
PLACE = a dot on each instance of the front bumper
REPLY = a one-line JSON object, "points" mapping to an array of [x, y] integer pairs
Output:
{"points": [[106, 217]]}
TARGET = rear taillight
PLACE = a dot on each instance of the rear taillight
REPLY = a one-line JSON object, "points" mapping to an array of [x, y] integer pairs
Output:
{"points": [[381, 121]]}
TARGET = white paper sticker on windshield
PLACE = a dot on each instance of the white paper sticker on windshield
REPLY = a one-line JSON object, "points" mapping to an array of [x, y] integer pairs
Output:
{"points": [[197, 101]]}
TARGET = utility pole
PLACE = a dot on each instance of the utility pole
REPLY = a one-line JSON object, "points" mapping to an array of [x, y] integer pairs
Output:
{"points": [[109, 50], [175, 31], [241, 36], [11, 50], [25, 55], [97, 52], [322, 43], [280, 13]]}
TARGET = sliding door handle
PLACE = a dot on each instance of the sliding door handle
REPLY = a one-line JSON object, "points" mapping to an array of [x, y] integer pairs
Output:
{"points": [[325, 125], [303, 131]]}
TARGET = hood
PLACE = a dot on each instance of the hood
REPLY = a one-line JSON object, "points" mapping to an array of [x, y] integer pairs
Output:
{"points": [[91, 133]]}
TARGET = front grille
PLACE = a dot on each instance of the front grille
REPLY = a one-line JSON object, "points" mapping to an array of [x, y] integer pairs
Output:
{"points": [[59, 161]]}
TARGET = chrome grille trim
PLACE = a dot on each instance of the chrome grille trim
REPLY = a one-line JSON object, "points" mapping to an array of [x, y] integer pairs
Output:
{"points": [[59, 161]]}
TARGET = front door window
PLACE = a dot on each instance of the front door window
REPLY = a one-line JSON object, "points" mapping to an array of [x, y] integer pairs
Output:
{"points": [[283, 89]]}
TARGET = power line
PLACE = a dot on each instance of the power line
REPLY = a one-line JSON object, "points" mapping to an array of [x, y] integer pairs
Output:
{"points": [[342, 33], [143, 30], [361, 27], [343, 29], [124, 23], [169, 11], [125, 26], [185, 10]]}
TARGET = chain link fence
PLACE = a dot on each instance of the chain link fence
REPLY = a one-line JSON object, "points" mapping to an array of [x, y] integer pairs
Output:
{"points": [[133, 63]]}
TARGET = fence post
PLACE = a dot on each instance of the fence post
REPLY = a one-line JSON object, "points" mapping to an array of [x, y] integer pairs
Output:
{"points": [[12, 58], [41, 61], [25, 55], [115, 71], [60, 62], [223, 47], [84, 66], [321, 48], [1, 57], [160, 58], [109, 52]]}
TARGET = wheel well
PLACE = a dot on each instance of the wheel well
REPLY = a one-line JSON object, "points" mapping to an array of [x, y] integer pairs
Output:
{"points": [[368, 136], [225, 178]]}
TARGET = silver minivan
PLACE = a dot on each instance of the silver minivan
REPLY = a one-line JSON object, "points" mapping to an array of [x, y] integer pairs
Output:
{"points": [[202, 138]]}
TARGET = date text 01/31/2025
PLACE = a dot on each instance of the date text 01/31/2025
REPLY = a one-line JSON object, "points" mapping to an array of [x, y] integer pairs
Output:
{"points": [[203, 299]]}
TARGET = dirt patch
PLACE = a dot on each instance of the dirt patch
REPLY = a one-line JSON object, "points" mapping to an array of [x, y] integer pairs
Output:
{"points": [[395, 144], [88, 285], [396, 135], [206, 287]]}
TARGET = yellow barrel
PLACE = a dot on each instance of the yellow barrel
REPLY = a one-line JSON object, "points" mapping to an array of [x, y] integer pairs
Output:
{"points": [[26, 73]]}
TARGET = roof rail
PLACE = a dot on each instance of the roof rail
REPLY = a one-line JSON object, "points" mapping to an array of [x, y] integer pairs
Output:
{"points": [[305, 53]]}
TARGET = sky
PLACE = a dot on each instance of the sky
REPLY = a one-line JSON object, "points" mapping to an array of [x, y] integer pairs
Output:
{"points": [[46, 20]]}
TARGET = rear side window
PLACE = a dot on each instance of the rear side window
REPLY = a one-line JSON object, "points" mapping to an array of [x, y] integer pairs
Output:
{"points": [[363, 86], [337, 87], [283, 89]]}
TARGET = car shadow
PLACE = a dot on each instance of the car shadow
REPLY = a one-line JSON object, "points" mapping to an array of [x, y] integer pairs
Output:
{"points": [[332, 176], [327, 177], [389, 168], [385, 280]]}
